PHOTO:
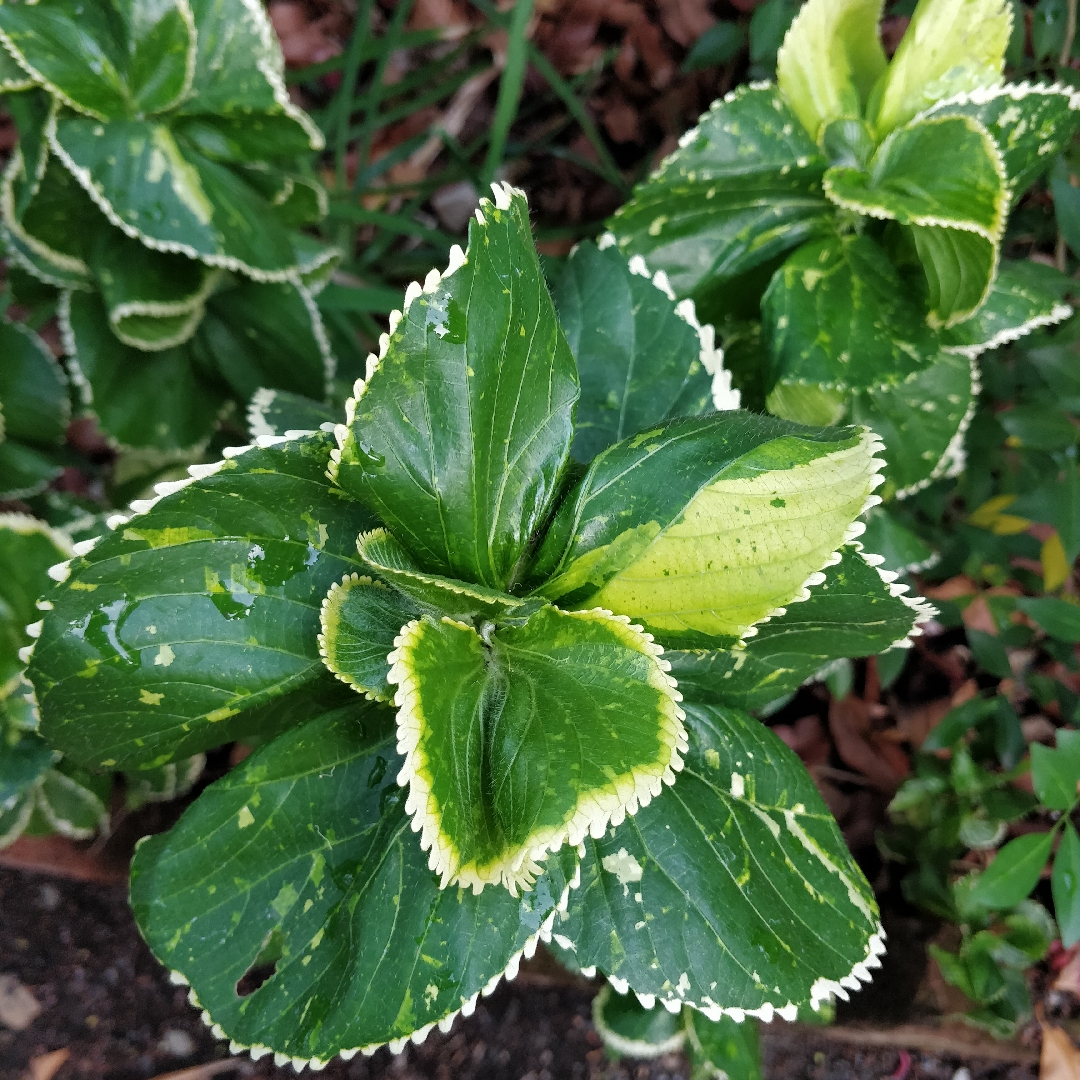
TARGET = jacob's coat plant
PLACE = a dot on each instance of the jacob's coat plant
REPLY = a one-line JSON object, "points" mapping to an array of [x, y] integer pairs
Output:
{"points": [[863, 202], [157, 186], [495, 630]]}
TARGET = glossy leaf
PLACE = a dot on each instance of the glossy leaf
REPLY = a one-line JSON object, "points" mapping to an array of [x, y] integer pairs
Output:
{"points": [[523, 739], [1025, 296], [105, 61], [458, 439], [743, 187], [773, 911], [13, 78], [854, 612], [951, 46], [922, 421], [387, 559], [1065, 883], [641, 358], [191, 614], [628, 1029], [836, 315], [1014, 872], [154, 399], [959, 268], [361, 620], [305, 848], [830, 60], [699, 528], [902, 549], [1030, 122]]}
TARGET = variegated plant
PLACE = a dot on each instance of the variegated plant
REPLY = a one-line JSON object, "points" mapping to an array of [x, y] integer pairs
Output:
{"points": [[543, 632], [156, 187], [863, 202], [39, 792]]}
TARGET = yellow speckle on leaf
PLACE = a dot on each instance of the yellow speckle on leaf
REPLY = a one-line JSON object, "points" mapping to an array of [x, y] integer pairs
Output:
{"points": [[244, 818], [221, 714], [165, 656], [147, 698]]}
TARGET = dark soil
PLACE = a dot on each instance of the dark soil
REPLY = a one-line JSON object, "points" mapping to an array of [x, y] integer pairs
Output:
{"points": [[74, 945]]}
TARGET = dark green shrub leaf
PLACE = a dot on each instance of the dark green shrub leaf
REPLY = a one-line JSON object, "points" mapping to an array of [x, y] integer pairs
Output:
{"points": [[1038, 427], [303, 855], [1058, 618], [523, 739], [856, 611], [718, 45], [735, 848], [192, 613], [723, 1048], [744, 187], [922, 443], [33, 389], [458, 438], [676, 526], [902, 550], [1055, 775], [641, 358], [1014, 871], [1065, 882], [273, 412], [836, 315]]}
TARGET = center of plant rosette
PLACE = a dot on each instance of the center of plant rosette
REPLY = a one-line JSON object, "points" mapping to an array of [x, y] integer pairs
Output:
{"points": [[505, 627]]}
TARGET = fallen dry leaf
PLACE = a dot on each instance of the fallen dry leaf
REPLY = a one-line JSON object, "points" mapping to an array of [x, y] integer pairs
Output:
{"points": [[1059, 1060], [849, 723], [18, 1007], [953, 589], [685, 20], [44, 1067], [1069, 977]]}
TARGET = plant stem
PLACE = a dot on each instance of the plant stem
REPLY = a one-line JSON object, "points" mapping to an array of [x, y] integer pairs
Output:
{"points": [[1070, 33], [513, 78]]}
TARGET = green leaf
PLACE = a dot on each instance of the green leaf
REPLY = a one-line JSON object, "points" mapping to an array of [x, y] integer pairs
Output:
{"points": [[203, 607], [137, 58], [744, 187], [171, 197], [630, 1030], [1058, 618], [361, 621], [430, 593], [830, 60], [157, 399], [836, 315], [239, 82], [722, 1049], [1025, 295], [1014, 872], [297, 200], [30, 111], [306, 846], [22, 763], [23, 471], [1055, 774], [922, 421], [1030, 122], [738, 849], [1065, 883], [33, 388], [855, 611], [154, 300], [72, 802], [718, 45], [945, 177], [458, 438], [13, 78], [951, 46], [273, 412], [700, 527], [641, 358], [903, 550], [28, 547], [267, 334], [163, 783], [519, 741]]}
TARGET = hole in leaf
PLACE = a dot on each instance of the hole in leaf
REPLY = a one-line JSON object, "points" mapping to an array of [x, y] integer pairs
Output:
{"points": [[264, 965]]}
